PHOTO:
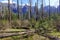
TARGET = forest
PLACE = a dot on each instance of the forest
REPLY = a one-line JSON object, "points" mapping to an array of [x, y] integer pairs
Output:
{"points": [[28, 22]]}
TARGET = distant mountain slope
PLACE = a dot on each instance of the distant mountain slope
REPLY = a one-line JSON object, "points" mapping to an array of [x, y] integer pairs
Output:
{"points": [[58, 8], [52, 9], [25, 8]]}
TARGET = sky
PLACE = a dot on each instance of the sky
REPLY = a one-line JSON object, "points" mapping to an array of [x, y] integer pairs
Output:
{"points": [[54, 3]]}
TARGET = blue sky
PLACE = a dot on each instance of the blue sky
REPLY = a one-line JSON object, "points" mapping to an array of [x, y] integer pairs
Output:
{"points": [[46, 2]]}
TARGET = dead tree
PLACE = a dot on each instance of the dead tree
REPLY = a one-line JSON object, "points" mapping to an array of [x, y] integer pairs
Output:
{"points": [[9, 15], [2, 11], [42, 10], [59, 2], [59, 7], [21, 11], [18, 9], [49, 10], [41, 15], [36, 10], [30, 9]]}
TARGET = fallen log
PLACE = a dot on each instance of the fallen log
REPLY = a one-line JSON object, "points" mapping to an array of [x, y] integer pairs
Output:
{"points": [[50, 37], [4, 35], [47, 36]]}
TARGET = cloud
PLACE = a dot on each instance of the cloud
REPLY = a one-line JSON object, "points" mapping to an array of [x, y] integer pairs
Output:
{"points": [[25, 4], [54, 3], [6, 1]]}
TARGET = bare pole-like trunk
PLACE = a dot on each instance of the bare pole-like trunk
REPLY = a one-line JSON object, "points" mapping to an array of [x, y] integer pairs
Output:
{"points": [[59, 7], [49, 10], [37, 11], [37, 6], [59, 2], [30, 9], [21, 11], [2, 10], [9, 18], [57, 11], [18, 9], [42, 10], [9, 14]]}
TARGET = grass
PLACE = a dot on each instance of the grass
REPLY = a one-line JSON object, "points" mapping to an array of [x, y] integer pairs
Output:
{"points": [[55, 34]]}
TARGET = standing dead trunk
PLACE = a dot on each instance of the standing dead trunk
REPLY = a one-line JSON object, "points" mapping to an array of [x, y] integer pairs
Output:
{"points": [[41, 15], [21, 11], [49, 10], [30, 9], [59, 7], [18, 9], [9, 14], [9, 18], [1, 15], [36, 10], [37, 14]]}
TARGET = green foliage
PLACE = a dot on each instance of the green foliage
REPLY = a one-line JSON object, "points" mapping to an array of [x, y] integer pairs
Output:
{"points": [[16, 37], [14, 16]]}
